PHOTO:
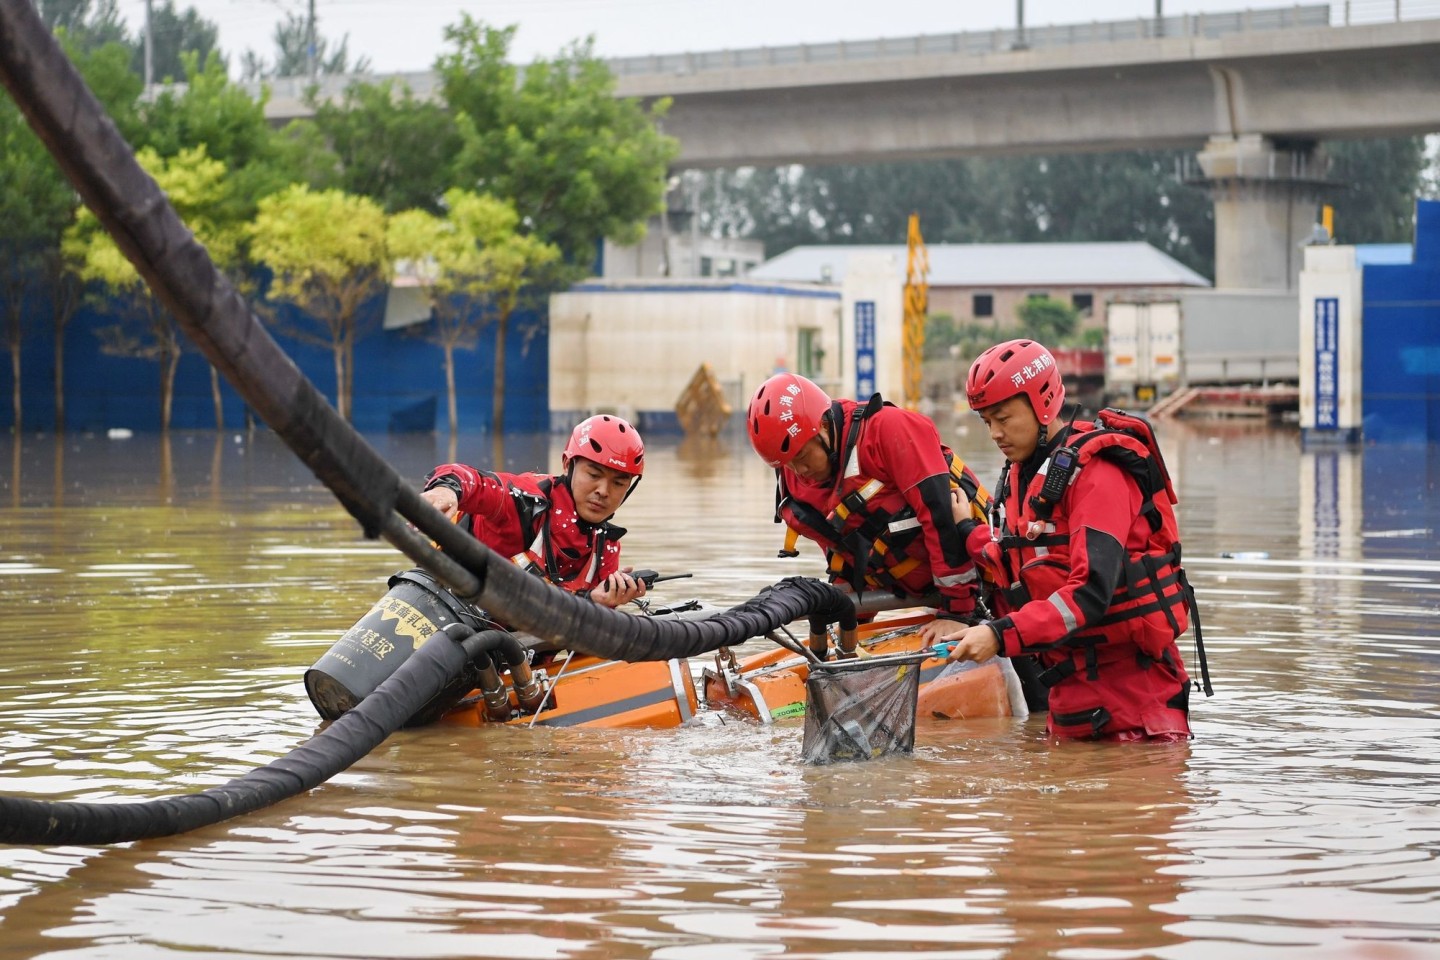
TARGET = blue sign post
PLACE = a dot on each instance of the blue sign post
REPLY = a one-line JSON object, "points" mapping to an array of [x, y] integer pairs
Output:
{"points": [[864, 349], [1327, 363]]}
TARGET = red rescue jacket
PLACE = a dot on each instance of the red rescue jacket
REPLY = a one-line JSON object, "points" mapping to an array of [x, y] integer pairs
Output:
{"points": [[1090, 581], [884, 519], [531, 519]]}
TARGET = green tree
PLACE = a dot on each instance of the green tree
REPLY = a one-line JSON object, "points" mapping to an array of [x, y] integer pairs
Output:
{"points": [[389, 145], [1123, 196], [1135, 195], [1048, 320], [328, 253], [1379, 183], [32, 202], [292, 54], [196, 186], [87, 24], [175, 36], [579, 163], [213, 112], [37, 204], [472, 265]]}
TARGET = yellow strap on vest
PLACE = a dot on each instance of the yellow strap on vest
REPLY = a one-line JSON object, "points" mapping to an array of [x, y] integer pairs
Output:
{"points": [[792, 539], [866, 493], [980, 506], [901, 569]]}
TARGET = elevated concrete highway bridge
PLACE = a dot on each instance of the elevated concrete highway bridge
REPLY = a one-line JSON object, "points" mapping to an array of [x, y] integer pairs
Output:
{"points": [[1252, 92], [1284, 74]]}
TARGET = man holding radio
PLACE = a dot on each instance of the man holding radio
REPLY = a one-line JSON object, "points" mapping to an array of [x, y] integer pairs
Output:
{"points": [[1085, 551]]}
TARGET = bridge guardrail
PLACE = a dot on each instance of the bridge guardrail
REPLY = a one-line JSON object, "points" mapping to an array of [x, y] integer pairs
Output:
{"points": [[425, 84], [979, 42]]}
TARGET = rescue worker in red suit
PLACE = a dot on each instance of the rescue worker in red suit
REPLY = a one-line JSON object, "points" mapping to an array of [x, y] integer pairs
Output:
{"points": [[557, 527], [1087, 567], [871, 483]]}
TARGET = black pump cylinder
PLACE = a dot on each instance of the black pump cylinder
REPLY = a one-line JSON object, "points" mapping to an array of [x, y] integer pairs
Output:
{"points": [[416, 608]]}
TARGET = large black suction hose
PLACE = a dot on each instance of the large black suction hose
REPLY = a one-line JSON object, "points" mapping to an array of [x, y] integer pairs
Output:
{"points": [[100, 165], [312, 763]]}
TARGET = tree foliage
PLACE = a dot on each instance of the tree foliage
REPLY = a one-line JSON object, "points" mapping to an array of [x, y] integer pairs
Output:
{"points": [[197, 187], [292, 54], [579, 163], [1379, 181], [86, 24], [327, 251], [472, 264], [1048, 320], [218, 114], [1137, 195], [389, 145], [37, 203], [175, 36]]}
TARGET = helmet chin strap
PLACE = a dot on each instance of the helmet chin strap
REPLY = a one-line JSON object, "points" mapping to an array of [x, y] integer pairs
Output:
{"points": [[832, 445], [569, 473], [1059, 434], [635, 482]]}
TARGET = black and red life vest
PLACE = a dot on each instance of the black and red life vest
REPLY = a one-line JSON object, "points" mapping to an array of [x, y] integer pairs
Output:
{"points": [[1149, 609], [531, 519], [870, 533]]}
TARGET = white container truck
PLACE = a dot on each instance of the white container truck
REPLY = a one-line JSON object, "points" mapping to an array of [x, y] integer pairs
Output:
{"points": [[1142, 350]]}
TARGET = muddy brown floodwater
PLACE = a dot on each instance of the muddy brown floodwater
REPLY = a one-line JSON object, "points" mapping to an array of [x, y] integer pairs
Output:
{"points": [[161, 600]]}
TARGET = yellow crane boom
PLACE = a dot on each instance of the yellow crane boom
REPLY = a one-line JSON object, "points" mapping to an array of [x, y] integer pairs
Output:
{"points": [[917, 294]]}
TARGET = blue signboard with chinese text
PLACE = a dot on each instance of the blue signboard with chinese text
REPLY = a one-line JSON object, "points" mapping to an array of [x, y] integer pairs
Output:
{"points": [[864, 349], [1327, 363]]}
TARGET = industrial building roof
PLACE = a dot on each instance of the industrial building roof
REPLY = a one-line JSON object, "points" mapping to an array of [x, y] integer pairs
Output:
{"points": [[1130, 264]]}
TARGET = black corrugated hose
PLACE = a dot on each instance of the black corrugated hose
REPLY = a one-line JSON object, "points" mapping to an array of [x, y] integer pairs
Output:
{"points": [[99, 163]]}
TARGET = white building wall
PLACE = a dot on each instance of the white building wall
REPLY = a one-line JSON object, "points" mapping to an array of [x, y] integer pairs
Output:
{"points": [[879, 279], [631, 349], [1331, 304]]}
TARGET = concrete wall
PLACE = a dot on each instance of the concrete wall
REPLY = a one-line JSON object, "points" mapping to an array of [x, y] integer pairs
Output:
{"points": [[631, 348]]}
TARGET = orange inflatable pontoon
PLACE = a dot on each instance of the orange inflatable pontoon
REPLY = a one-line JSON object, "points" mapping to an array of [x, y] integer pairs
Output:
{"points": [[771, 686], [533, 685]]}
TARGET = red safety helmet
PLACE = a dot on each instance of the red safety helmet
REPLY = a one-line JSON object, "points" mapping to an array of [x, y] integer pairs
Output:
{"points": [[608, 441], [1015, 367], [784, 414]]}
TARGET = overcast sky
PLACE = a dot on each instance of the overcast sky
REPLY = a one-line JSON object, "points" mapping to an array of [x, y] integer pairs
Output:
{"points": [[402, 35]]}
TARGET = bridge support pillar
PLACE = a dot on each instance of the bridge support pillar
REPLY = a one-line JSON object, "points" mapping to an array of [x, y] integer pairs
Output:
{"points": [[1265, 197]]}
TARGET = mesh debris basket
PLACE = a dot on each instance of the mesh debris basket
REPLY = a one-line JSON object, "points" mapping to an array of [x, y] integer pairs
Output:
{"points": [[861, 709]]}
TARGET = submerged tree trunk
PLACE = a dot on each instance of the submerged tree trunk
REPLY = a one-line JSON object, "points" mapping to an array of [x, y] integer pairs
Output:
{"points": [[215, 394], [349, 369], [450, 389], [14, 340], [498, 415], [342, 405], [64, 297], [15, 374], [169, 362]]}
